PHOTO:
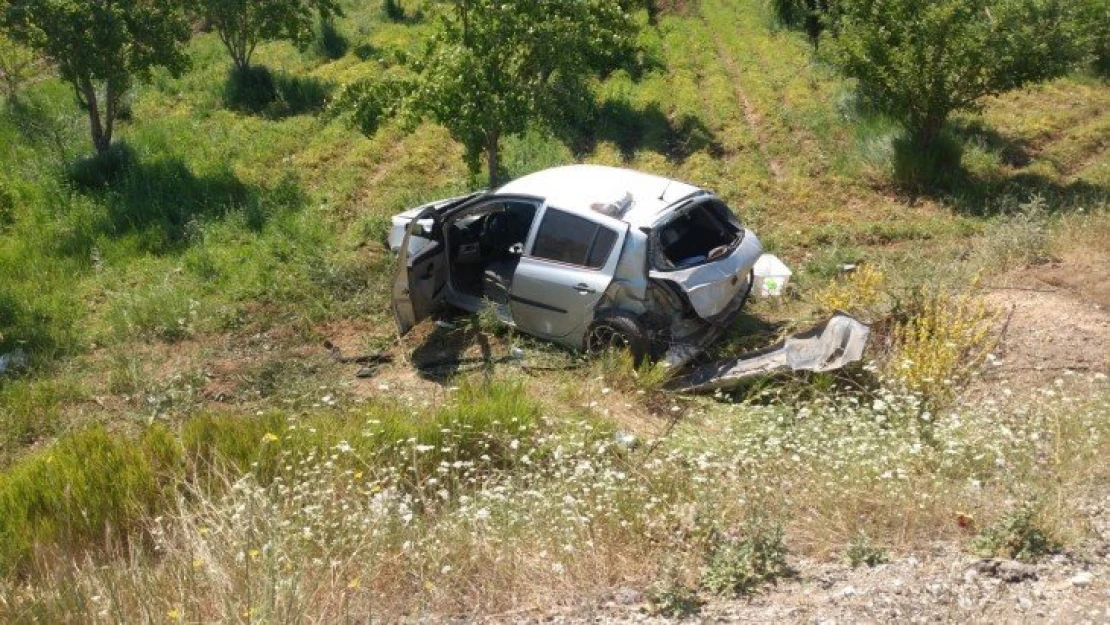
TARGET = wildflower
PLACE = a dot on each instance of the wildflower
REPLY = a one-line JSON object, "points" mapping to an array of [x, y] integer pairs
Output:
{"points": [[174, 615], [355, 583], [270, 437]]}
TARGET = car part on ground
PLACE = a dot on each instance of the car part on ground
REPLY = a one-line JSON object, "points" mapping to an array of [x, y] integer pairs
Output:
{"points": [[830, 345]]}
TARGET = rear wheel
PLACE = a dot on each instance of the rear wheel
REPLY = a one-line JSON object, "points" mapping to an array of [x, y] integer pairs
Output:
{"points": [[617, 331]]}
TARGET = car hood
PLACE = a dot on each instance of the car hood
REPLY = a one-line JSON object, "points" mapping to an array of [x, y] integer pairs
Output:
{"points": [[711, 286]]}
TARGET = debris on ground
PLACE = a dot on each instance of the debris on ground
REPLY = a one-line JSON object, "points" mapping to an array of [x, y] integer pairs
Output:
{"points": [[12, 360], [831, 345]]}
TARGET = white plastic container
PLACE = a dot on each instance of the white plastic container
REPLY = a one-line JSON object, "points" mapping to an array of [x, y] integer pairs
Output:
{"points": [[771, 276]]}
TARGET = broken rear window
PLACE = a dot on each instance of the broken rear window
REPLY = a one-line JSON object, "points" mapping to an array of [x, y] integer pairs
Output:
{"points": [[701, 233]]}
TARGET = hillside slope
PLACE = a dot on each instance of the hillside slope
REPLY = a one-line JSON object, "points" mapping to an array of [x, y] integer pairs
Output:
{"points": [[174, 316]]}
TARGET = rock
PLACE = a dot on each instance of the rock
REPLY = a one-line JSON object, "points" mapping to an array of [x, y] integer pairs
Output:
{"points": [[848, 592], [1081, 579], [627, 596], [1005, 570]]}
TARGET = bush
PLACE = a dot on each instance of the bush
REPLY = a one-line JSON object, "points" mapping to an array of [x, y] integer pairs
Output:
{"points": [[1017, 536], [939, 340], [738, 567], [862, 292]]}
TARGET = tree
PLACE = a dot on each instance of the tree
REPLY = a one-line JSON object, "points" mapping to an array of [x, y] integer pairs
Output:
{"points": [[243, 24], [495, 67], [101, 47], [921, 60]]}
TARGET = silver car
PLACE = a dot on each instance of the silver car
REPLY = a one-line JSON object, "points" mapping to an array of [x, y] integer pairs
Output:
{"points": [[583, 255]]}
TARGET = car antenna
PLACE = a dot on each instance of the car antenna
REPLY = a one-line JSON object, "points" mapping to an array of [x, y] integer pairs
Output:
{"points": [[665, 190]]}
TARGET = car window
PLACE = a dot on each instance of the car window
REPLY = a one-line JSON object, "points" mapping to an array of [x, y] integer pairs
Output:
{"points": [[567, 238], [599, 251]]}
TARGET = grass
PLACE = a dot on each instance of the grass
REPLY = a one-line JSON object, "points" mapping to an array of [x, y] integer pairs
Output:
{"points": [[172, 298]]}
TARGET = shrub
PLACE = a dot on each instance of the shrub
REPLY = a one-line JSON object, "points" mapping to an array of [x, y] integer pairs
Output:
{"points": [[738, 567], [862, 292], [862, 551], [1017, 536], [940, 339]]}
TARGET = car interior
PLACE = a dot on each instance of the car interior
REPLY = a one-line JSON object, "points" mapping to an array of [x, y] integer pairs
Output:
{"points": [[703, 233], [484, 248]]}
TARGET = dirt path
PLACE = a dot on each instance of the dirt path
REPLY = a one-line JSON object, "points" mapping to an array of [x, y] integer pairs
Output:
{"points": [[751, 113], [1059, 322]]}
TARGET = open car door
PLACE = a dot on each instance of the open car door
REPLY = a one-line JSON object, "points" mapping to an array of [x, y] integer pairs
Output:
{"points": [[421, 278]]}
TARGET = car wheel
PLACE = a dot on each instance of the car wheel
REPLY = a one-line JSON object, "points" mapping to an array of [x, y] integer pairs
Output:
{"points": [[619, 331]]}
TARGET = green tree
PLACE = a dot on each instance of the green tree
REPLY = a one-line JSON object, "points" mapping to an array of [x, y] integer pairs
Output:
{"points": [[920, 60], [495, 67], [101, 47], [243, 24]]}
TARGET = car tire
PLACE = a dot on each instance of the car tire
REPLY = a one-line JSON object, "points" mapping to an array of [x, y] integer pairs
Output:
{"points": [[618, 330]]}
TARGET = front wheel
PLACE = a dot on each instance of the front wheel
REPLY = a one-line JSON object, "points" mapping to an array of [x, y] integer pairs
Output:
{"points": [[619, 331]]}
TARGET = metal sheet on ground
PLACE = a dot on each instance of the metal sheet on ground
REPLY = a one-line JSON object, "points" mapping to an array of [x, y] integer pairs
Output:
{"points": [[830, 345]]}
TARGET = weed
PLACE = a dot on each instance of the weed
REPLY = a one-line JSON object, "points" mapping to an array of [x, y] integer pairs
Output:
{"points": [[941, 339], [672, 598], [1019, 239], [862, 292], [862, 551], [1018, 536], [619, 369], [741, 566]]}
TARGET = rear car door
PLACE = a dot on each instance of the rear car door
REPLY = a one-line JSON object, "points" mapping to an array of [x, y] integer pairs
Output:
{"points": [[568, 265], [421, 278]]}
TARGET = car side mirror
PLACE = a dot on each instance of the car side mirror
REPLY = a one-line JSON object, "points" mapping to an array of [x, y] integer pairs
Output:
{"points": [[516, 249]]}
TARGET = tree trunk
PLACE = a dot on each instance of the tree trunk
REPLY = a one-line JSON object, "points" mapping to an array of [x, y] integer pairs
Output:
{"points": [[101, 139], [925, 135], [493, 158]]}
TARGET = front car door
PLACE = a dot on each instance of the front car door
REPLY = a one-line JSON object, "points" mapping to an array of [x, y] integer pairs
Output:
{"points": [[421, 279], [568, 265]]}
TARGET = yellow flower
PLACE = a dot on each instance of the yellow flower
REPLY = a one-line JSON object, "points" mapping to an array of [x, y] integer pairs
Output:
{"points": [[355, 583], [270, 437], [197, 563], [174, 614], [429, 586], [254, 553]]}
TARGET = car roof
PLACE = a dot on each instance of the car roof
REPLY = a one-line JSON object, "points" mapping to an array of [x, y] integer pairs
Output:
{"points": [[609, 190]]}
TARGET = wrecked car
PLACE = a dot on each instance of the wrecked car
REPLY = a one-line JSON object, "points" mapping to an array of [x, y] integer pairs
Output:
{"points": [[587, 256]]}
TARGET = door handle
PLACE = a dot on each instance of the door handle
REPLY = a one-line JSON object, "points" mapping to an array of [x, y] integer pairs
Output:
{"points": [[584, 288]]}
